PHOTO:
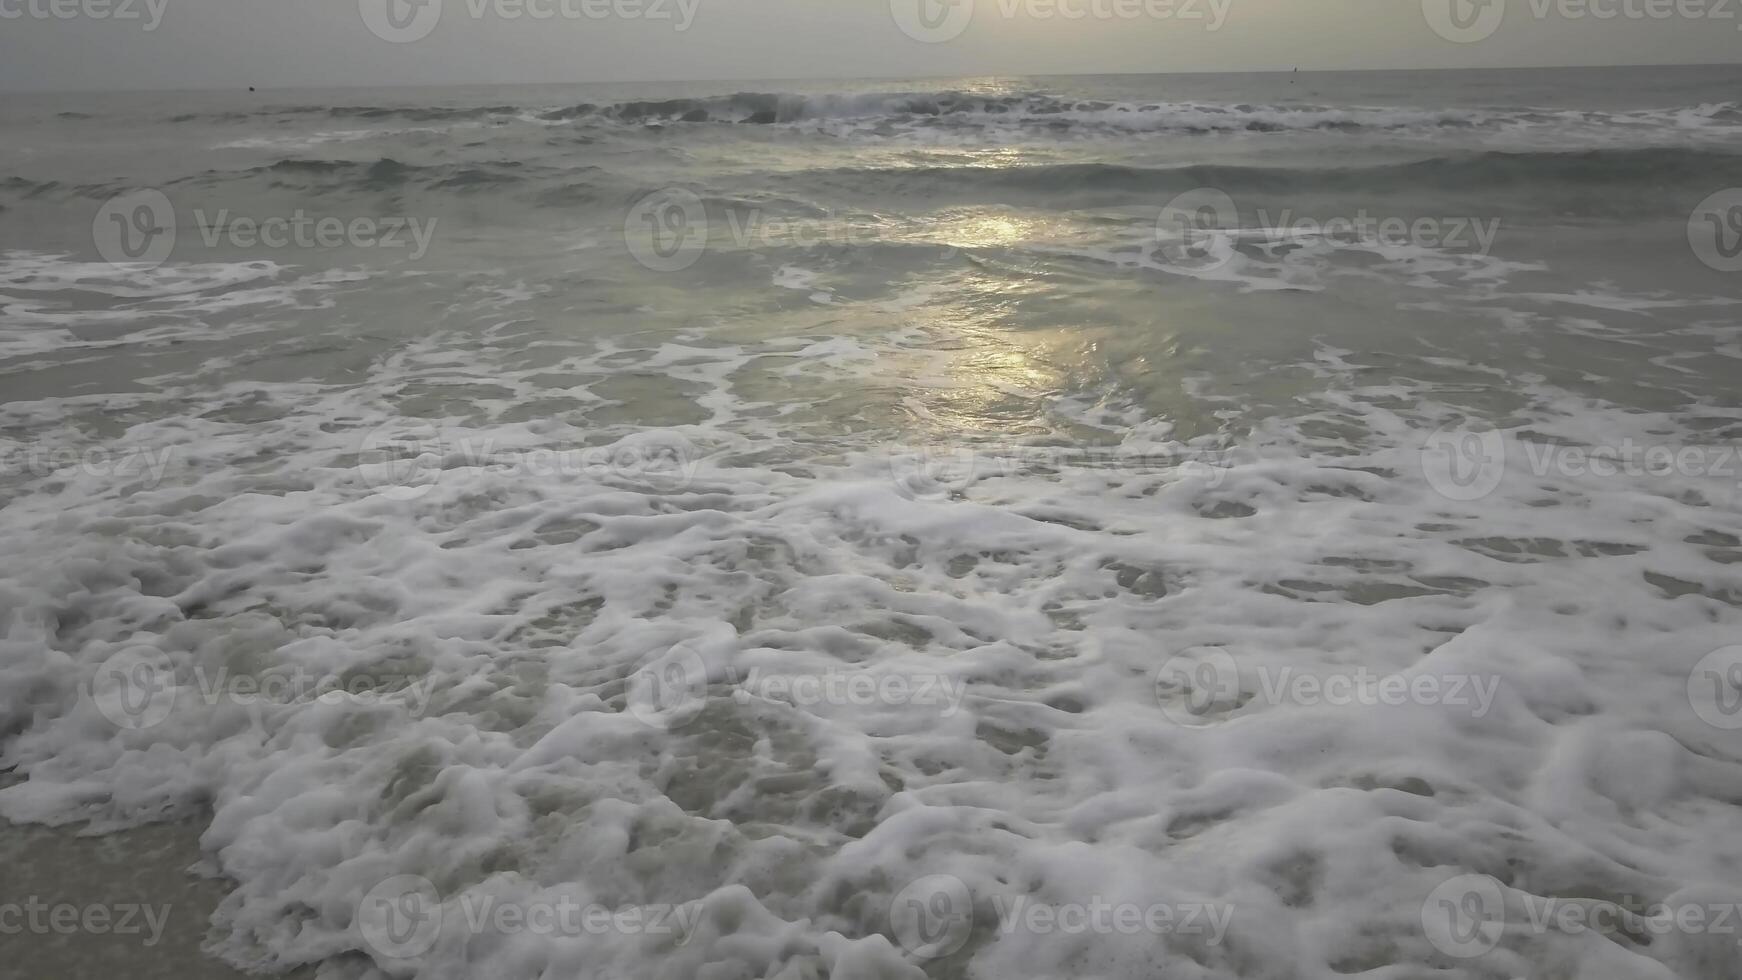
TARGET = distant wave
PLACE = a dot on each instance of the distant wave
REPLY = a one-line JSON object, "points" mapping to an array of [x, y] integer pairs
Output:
{"points": [[960, 108], [897, 111], [383, 174], [19, 187], [408, 113], [1630, 174], [1475, 171]]}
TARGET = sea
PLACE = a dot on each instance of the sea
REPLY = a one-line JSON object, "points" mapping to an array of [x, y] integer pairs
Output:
{"points": [[1204, 527]]}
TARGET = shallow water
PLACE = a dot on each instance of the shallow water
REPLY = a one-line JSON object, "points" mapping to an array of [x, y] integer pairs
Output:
{"points": [[836, 523]]}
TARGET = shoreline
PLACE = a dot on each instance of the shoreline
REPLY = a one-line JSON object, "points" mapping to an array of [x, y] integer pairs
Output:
{"points": [[126, 904]]}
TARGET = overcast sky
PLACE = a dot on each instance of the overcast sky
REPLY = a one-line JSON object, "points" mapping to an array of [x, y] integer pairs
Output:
{"points": [[65, 44]]}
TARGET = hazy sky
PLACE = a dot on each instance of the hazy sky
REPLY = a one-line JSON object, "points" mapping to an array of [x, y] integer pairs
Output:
{"points": [[65, 44]]}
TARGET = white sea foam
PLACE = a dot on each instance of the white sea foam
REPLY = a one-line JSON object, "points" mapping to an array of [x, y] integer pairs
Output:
{"points": [[308, 141], [52, 309], [510, 749]]}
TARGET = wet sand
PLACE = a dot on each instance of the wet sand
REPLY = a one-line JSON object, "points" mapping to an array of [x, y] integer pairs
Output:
{"points": [[54, 870]]}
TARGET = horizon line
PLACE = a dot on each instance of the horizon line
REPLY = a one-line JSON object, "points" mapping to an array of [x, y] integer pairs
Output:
{"points": [[874, 78]]}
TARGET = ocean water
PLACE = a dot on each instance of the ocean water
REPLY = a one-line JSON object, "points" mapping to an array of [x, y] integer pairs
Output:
{"points": [[1273, 526]]}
